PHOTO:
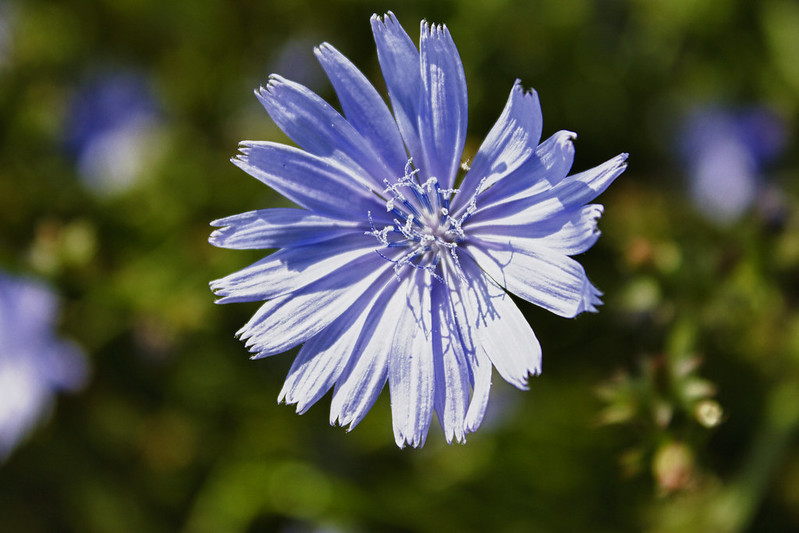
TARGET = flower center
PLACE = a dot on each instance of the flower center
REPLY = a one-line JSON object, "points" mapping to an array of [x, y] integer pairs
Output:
{"points": [[422, 224]]}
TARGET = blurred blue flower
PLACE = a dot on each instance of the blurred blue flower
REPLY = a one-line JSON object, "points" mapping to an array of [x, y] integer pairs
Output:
{"points": [[387, 272], [5, 34], [724, 152], [112, 131], [34, 363]]}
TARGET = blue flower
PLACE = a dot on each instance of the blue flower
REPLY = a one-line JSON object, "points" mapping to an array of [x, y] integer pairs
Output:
{"points": [[34, 364], [725, 151], [112, 131], [389, 273]]}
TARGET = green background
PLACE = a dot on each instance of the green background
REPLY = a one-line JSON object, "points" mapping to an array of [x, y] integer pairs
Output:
{"points": [[178, 431]]}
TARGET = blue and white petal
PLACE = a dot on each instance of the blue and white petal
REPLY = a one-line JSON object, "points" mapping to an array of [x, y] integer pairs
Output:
{"points": [[452, 368], [290, 269], [548, 279], [411, 374], [399, 62], [511, 142], [278, 228], [319, 129], [323, 358], [571, 192], [364, 108], [444, 111], [365, 376], [530, 183], [315, 183], [496, 327], [289, 320], [568, 232]]}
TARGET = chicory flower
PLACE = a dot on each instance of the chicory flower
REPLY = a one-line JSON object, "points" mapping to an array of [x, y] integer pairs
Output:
{"points": [[398, 263]]}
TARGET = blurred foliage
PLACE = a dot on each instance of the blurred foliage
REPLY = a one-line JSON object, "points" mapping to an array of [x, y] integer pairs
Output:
{"points": [[674, 409]]}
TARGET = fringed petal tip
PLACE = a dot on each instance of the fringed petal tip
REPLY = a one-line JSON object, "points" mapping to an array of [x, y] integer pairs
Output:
{"points": [[258, 354], [388, 18], [473, 421], [591, 298], [435, 31], [325, 48], [595, 211], [346, 422], [566, 137], [222, 291], [523, 383], [414, 441], [519, 88], [219, 223], [456, 439], [263, 91], [266, 93], [244, 148], [274, 81], [220, 234], [217, 290], [591, 214], [454, 432], [300, 406], [617, 165]]}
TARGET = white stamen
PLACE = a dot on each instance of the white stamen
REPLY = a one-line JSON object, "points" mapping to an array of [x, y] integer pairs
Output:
{"points": [[424, 226]]}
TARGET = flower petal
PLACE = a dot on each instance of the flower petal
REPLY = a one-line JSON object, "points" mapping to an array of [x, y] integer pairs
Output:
{"points": [[311, 182], [481, 369], [579, 189], [277, 228], [492, 323], [290, 269], [530, 182], [291, 319], [411, 374], [323, 358], [366, 374], [548, 279], [511, 142], [568, 232], [399, 62], [318, 128], [444, 112], [572, 192], [364, 108], [451, 368]]}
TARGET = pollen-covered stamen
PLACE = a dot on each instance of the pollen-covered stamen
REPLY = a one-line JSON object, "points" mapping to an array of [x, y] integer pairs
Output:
{"points": [[382, 235], [398, 196], [472, 207], [444, 196], [455, 230], [423, 224], [407, 230]]}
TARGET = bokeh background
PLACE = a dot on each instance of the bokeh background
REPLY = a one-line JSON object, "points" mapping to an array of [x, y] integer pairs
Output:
{"points": [[674, 409]]}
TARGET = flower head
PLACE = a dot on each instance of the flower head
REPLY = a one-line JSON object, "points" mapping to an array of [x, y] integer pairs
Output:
{"points": [[725, 152], [393, 268], [34, 364], [112, 131]]}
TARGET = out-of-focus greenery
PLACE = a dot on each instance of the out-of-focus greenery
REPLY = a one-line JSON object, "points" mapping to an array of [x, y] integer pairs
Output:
{"points": [[674, 409]]}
